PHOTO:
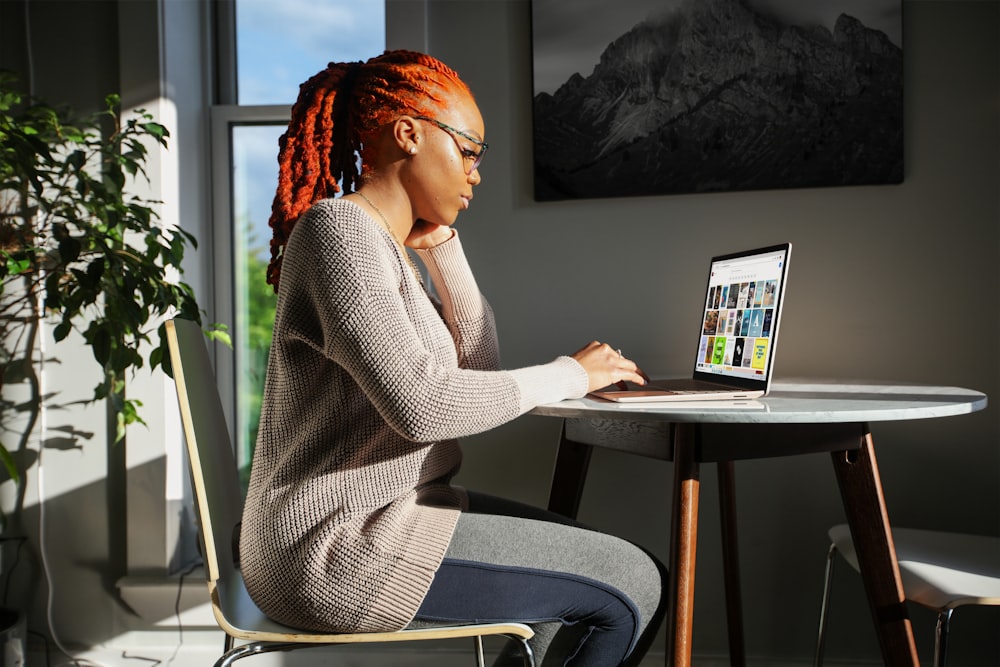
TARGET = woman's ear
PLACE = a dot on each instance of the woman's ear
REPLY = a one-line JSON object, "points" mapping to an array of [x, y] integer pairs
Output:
{"points": [[406, 133]]}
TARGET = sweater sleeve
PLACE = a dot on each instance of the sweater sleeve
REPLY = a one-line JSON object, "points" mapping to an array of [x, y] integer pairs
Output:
{"points": [[349, 296], [452, 277], [463, 308], [548, 383], [463, 304]]}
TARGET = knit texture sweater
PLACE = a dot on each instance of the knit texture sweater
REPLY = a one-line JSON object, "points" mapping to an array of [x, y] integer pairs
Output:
{"points": [[370, 382]]}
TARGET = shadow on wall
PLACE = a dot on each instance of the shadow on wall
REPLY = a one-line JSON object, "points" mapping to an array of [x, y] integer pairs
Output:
{"points": [[66, 542]]}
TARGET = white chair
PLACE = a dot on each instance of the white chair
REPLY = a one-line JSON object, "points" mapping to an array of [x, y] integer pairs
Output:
{"points": [[941, 571], [219, 502]]}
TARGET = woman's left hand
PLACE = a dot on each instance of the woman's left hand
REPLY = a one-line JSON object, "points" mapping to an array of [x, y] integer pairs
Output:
{"points": [[426, 235]]}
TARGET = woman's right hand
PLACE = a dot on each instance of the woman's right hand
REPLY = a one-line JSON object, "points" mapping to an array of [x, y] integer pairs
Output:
{"points": [[605, 365]]}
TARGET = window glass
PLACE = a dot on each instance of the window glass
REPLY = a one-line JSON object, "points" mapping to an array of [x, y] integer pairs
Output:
{"points": [[254, 176], [280, 44]]}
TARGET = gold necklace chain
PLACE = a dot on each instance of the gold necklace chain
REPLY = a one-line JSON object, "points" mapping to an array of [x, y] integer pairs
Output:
{"points": [[385, 223]]}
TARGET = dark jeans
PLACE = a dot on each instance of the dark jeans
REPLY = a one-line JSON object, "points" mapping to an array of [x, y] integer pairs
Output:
{"points": [[512, 562]]}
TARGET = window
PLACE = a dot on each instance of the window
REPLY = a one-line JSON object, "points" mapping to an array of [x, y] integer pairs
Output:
{"points": [[277, 46], [281, 44]]}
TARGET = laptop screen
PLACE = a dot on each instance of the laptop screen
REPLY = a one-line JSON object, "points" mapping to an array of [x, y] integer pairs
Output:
{"points": [[739, 326]]}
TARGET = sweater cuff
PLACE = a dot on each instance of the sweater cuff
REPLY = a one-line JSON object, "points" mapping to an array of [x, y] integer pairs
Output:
{"points": [[556, 381]]}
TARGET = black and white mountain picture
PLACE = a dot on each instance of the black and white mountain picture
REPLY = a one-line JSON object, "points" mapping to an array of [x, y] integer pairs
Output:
{"points": [[715, 95]]}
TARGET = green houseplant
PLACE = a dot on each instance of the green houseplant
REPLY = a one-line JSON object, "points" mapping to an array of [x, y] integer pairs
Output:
{"points": [[79, 251]]}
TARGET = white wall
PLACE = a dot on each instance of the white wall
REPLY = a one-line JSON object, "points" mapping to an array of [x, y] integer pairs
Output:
{"points": [[919, 304]]}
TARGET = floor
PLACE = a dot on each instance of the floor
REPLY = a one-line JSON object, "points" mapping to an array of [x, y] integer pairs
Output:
{"points": [[344, 657]]}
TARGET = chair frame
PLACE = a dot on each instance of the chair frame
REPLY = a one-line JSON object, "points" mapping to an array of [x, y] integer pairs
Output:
{"points": [[940, 601], [219, 506]]}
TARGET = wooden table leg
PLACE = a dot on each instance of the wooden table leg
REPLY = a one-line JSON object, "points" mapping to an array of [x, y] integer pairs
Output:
{"points": [[861, 491], [568, 476], [683, 546], [731, 563]]}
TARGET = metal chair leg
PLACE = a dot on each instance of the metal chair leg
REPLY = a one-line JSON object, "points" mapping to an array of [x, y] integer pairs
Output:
{"points": [[827, 585], [941, 637], [480, 658], [255, 648], [526, 652]]}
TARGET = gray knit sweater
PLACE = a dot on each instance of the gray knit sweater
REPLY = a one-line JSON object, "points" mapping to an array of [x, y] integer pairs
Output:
{"points": [[369, 384]]}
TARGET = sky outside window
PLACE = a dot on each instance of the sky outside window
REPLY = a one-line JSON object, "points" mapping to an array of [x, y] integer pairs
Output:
{"points": [[280, 44]]}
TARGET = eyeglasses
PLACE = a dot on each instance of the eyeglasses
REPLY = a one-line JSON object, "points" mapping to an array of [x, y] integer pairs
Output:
{"points": [[468, 154]]}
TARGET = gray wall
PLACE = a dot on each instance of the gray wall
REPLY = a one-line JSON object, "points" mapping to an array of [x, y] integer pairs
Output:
{"points": [[917, 302]]}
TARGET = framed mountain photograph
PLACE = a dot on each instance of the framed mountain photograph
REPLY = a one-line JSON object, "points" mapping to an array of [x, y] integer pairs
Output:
{"points": [[647, 97]]}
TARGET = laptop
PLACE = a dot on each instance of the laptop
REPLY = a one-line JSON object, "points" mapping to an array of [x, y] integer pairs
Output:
{"points": [[737, 332]]}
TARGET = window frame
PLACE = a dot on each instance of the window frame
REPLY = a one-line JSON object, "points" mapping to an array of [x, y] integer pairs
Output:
{"points": [[161, 532], [405, 27], [225, 118]]}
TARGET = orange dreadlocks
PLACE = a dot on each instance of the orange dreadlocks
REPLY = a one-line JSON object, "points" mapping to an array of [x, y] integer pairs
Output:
{"points": [[334, 121]]}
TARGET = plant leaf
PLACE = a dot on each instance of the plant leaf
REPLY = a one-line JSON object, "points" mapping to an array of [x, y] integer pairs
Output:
{"points": [[8, 463]]}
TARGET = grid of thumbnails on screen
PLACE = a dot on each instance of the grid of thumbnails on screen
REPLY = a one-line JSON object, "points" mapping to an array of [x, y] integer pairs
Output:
{"points": [[739, 322]]}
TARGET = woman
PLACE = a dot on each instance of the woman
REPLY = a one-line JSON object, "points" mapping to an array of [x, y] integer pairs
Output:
{"points": [[351, 523]]}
